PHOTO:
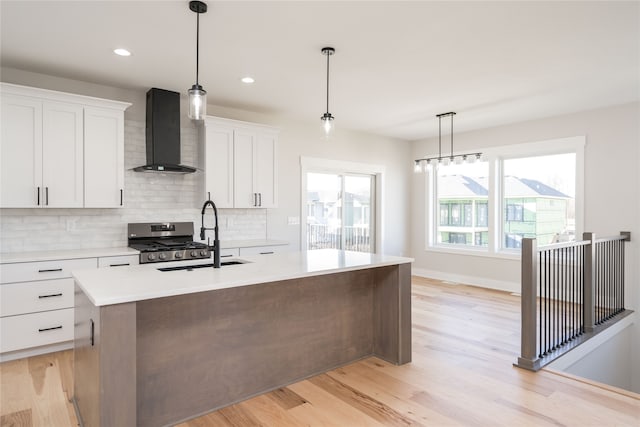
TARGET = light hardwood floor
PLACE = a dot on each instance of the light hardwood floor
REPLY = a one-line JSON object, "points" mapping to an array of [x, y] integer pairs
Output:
{"points": [[465, 340]]}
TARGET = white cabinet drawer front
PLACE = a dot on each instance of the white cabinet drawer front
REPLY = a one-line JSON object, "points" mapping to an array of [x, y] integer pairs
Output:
{"points": [[43, 270], [36, 329], [262, 250], [229, 253], [32, 297], [118, 261]]}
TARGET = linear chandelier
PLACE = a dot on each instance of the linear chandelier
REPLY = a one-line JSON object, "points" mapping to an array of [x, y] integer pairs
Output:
{"points": [[427, 162]]}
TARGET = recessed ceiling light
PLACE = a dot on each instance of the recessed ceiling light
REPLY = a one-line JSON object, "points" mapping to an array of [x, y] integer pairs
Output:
{"points": [[247, 80], [122, 52]]}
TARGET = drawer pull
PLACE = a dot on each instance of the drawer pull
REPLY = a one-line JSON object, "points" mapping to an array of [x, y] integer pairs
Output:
{"points": [[49, 296], [50, 329], [51, 270], [225, 256], [266, 253], [119, 265]]}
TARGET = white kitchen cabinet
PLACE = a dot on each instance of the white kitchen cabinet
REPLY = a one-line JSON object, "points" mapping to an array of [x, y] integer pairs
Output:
{"points": [[240, 164], [36, 303], [103, 158], [118, 261], [62, 155], [57, 148], [263, 250], [219, 164], [20, 152]]}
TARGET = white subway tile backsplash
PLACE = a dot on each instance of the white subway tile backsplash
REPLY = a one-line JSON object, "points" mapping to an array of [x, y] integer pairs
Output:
{"points": [[148, 197]]}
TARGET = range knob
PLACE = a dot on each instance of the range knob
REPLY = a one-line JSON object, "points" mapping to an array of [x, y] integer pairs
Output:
{"points": [[203, 252], [178, 254], [162, 256], [194, 254], [151, 257]]}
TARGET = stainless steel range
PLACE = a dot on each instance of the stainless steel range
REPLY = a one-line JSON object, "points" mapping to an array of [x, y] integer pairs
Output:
{"points": [[166, 241]]}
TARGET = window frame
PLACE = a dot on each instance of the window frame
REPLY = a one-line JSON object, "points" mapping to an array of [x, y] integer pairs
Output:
{"points": [[495, 157]]}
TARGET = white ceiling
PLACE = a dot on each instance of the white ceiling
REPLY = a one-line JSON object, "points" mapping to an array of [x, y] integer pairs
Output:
{"points": [[397, 64]]}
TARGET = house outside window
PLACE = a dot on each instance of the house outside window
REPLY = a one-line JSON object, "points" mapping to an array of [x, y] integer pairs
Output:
{"points": [[519, 191]]}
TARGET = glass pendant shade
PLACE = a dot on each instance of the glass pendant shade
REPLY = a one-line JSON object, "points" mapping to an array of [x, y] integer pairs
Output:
{"points": [[327, 124], [197, 103]]}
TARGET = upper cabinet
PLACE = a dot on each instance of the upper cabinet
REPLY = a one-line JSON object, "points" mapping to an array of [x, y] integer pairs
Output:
{"points": [[240, 164], [60, 150]]}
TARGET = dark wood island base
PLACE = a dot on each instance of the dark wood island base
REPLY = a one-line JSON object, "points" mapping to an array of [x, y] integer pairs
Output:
{"points": [[165, 360]]}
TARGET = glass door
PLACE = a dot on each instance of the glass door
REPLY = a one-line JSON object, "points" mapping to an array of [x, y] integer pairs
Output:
{"points": [[340, 211]]}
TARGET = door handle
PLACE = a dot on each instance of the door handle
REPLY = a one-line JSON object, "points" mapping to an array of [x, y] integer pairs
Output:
{"points": [[121, 196], [46, 198], [38, 196], [51, 270], [260, 199], [49, 296], [50, 329]]}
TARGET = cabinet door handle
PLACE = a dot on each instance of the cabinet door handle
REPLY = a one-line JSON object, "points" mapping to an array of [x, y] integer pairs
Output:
{"points": [[255, 199], [259, 199], [121, 196], [266, 253], [38, 196], [208, 195], [46, 197], [49, 296], [50, 329], [119, 265], [51, 270], [92, 332]]}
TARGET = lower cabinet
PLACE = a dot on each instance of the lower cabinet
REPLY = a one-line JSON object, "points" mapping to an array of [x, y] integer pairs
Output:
{"points": [[263, 250], [37, 303]]}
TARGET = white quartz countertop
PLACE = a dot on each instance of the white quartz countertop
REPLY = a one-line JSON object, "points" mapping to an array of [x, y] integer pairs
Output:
{"points": [[143, 282], [35, 256]]}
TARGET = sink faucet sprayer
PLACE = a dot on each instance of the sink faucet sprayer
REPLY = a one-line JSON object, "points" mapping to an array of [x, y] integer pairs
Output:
{"points": [[216, 241]]}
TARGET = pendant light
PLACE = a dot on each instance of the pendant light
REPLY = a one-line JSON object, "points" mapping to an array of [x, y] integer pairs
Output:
{"points": [[197, 95], [327, 118], [425, 163]]}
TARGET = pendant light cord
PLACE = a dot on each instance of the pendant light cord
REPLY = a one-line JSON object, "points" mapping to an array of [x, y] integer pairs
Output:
{"points": [[452, 135], [197, 46], [439, 137], [328, 55]]}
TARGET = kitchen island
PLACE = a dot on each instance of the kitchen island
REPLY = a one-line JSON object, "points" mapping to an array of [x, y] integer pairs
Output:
{"points": [[158, 347]]}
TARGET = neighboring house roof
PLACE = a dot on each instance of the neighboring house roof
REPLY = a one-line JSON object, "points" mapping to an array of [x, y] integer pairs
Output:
{"points": [[461, 186]]}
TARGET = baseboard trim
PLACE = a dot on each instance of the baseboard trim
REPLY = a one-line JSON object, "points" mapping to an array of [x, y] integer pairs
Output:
{"points": [[468, 280]]}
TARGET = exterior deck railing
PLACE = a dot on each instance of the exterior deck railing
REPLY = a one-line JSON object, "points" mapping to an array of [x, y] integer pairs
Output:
{"points": [[569, 291], [322, 236]]}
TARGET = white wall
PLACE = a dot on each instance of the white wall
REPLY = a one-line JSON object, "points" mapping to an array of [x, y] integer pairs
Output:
{"points": [[170, 197], [612, 197]]}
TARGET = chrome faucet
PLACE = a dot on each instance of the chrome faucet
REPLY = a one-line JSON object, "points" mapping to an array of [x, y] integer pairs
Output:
{"points": [[216, 241]]}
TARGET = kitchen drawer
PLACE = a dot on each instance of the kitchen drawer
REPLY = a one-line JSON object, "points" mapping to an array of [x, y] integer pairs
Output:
{"points": [[32, 297], [229, 253], [35, 329], [262, 250], [118, 261], [43, 270]]}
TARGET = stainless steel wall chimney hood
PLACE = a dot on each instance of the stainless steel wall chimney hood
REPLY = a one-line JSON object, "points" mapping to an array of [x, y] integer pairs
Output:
{"points": [[163, 133]]}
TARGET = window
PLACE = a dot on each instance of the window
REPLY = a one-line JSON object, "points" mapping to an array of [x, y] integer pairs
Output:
{"points": [[458, 238], [529, 190], [459, 189], [514, 212], [482, 214]]}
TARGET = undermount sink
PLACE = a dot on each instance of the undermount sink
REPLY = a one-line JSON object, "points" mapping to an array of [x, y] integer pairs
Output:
{"points": [[209, 265]]}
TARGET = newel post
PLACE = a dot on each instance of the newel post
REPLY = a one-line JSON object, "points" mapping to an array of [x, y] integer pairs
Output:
{"points": [[589, 282], [529, 282]]}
